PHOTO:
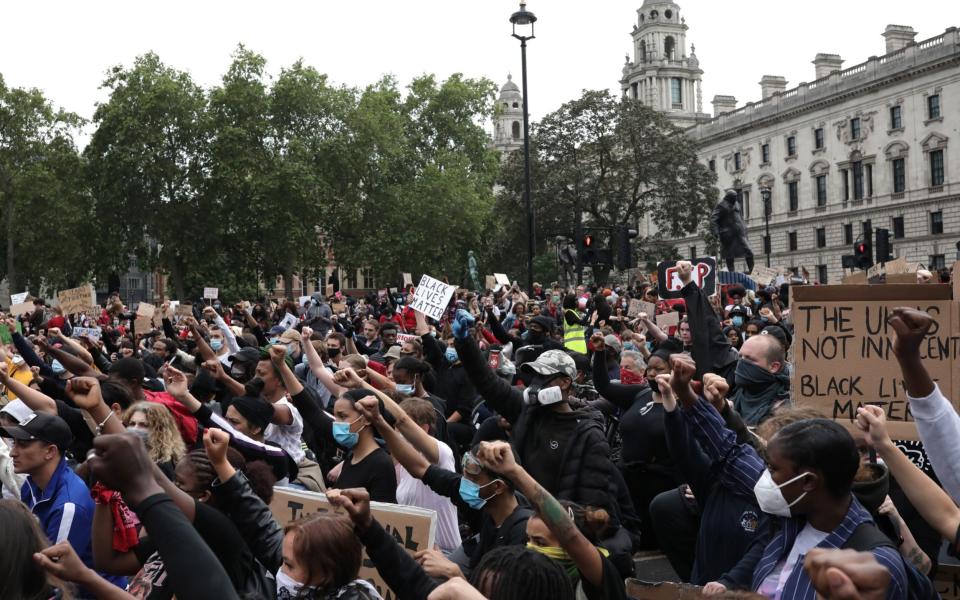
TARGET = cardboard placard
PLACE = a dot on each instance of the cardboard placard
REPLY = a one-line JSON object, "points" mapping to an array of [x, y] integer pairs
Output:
{"points": [[855, 278], [338, 308], [947, 581], [328, 290], [146, 310], [143, 324], [633, 309], [302, 300], [21, 309], [413, 528], [763, 276], [407, 279], [211, 293], [668, 320], [649, 308], [19, 298], [502, 279], [875, 271], [405, 337], [77, 300], [489, 282], [183, 309], [432, 297], [843, 349], [662, 590], [704, 275], [91, 332]]}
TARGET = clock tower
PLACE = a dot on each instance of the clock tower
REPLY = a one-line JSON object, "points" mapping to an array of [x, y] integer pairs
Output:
{"points": [[662, 74]]}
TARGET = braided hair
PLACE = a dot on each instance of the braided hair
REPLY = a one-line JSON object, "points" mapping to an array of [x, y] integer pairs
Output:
{"points": [[515, 573]]}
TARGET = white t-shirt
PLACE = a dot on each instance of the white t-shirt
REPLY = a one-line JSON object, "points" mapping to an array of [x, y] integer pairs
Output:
{"points": [[808, 538], [289, 436], [413, 492]]}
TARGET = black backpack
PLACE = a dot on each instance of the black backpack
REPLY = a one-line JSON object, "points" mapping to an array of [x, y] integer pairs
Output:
{"points": [[867, 537]]}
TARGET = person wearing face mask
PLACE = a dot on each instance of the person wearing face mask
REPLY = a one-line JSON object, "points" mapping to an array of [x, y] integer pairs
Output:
{"points": [[409, 376], [565, 449], [539, 332], [223, 341], [365, 465], [805, 486], [502, 519], [762, 385], [155, 425], [290, 340], [645, 459], [738, 316]]}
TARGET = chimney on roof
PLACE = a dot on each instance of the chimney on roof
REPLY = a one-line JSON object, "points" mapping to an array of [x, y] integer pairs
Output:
{"points": [[826, 64], [723, 104], [898, 37], [772, 84]]}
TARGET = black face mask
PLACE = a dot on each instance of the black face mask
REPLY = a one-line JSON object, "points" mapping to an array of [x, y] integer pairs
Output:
{"points": [[654, 386], [333, 352]]}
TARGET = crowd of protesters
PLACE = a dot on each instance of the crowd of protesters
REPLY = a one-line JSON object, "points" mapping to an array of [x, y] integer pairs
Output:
{"points": [[554, 432]]}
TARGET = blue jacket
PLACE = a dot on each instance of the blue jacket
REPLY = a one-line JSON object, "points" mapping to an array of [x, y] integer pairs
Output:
{"points": [[65, 512]]}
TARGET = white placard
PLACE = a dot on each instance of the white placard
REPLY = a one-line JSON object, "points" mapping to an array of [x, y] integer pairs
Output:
{"points": [[288, 321], [502, 279], [303, 300], [432, 297], [19, 298], [211, 293], [92, 332]]}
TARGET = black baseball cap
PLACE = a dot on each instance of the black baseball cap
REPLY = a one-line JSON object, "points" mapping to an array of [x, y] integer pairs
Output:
{"points": [[41, 426]]}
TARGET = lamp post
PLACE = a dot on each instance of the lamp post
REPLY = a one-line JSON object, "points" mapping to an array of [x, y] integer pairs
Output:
{"points": [[765, 194], [523, 21]]}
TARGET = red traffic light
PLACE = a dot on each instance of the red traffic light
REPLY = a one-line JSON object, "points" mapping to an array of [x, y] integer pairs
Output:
{"points": [[587, 241], [861, 248]]}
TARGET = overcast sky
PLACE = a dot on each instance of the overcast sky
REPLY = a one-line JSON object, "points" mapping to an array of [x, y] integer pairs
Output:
{"points": [[64, 47]]}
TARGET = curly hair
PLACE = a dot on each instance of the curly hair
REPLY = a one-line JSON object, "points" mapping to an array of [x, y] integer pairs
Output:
{"points": [[164, 443]]}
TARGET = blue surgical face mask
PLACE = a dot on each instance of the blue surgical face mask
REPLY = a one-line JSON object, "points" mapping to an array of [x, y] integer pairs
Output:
{"points": [[343, 436], [630, 346], [737, 321], [470, 492], [451, 355], [216, 344], [406, 388], [57, 367], [274, 341]]}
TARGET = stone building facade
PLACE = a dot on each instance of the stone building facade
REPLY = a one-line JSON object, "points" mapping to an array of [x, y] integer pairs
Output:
{"points": [[854, 150]]}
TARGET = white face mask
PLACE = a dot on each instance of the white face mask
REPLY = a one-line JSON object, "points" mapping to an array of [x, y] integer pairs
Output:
{"points": [[770, 497], [288, 588], [545, 396], [17, 360]]}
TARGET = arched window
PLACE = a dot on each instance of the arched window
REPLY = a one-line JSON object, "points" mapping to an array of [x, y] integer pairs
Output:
{"points": [[643, 51], [516, 130], [668, 45], [515, 105]]}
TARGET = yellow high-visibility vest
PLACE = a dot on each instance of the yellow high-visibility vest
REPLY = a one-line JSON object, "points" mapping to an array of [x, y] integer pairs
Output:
{"points": [[574, 336]]}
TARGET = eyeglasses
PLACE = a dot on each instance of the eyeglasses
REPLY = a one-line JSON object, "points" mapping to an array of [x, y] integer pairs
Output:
{"points": [[470, 464]]}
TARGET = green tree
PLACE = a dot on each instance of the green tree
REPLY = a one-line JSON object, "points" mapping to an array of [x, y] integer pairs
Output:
{"points": [[46, 211], [614, 161], [147, 163]]}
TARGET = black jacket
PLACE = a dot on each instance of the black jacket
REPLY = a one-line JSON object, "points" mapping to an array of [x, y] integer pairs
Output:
{"points": [[584, 472], [711, 350]]}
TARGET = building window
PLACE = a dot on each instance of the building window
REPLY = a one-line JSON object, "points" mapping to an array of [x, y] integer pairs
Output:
{"points": [[668, 45], [818, 138], [936, 222], [855, 128], [712, 165], [635, 88], [736, 161], [821, 190], [898, 233], [821, 237], [791, 146], [846, 184], [367, 273], [899, 176], [764, 153], [868, 170], [896, 118], [745, 202], [643, 50], [933, 106], [766, 244], [847, 233], [792, 241], [516, 130], [693, 252], [822, 274], [133, 283], [794, 196], [936, 167], [857, 168], [676, 92], [937, 262]]}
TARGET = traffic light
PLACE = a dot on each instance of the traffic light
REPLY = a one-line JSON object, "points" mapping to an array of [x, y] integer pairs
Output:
{"points": [[625, 259], [861, 255], [588, 246], [883, 246]]}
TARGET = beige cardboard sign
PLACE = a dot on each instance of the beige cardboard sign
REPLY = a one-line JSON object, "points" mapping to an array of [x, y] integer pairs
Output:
{"points": [[77, 300], [843, 349], [146, 310], [21, 309], [413, 528], [649, 308], [668, 320], [143, 324], [490, 282], [407, 279], [184, 309], [634, 308], [763, 276]]}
